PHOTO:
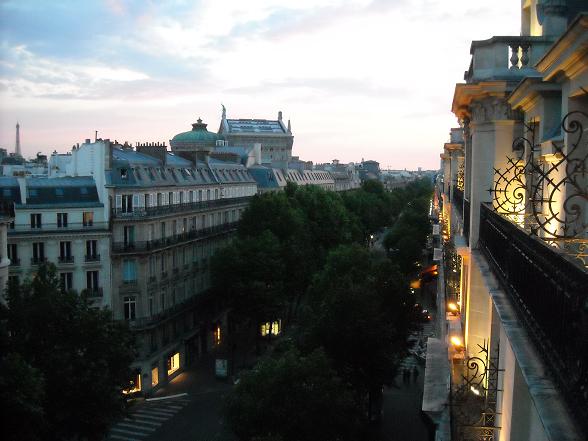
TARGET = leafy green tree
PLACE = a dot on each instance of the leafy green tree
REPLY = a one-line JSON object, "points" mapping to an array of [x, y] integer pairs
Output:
{"points": [[359, 314], [293, 398], [249, 274], [82, 355], [22, 392]]}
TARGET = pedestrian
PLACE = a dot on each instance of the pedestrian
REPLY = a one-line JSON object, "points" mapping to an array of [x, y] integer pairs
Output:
{"points": [[415, 374]]}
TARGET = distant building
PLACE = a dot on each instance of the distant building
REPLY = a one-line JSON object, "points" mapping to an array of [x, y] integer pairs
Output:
{"points": [[194, 144], [369, 170], [275, 137]]}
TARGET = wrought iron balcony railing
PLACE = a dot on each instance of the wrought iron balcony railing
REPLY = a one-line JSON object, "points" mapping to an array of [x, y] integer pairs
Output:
{"points": [[38, 260], [162, 210], [466, 220], [92, 292], [92, 257], [151, 245], [14, 261], [65, 259], [551, 295], [458, 200], [54, 227], [171, 312]]}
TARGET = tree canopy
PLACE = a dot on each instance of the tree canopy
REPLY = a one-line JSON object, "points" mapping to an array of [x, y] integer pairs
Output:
{"points": [[77, 359], [293, 397], [307, 254]]}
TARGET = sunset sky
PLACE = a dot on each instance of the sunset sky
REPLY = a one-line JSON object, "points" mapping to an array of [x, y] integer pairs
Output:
{"points": [[359, 79]]}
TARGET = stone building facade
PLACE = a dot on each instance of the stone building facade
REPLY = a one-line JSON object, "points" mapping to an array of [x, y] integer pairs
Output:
{"points": [[515, 221]]}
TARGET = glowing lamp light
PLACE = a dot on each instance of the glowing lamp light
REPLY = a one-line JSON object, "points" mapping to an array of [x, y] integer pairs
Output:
{"points": [[474, 390], [456, 341], [452, 307]]}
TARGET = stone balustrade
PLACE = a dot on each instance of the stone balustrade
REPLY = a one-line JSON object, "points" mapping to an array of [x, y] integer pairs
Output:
{"points": [[505, 58]]}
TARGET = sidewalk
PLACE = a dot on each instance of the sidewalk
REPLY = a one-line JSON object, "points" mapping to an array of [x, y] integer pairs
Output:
{"points": [[197, 379]]}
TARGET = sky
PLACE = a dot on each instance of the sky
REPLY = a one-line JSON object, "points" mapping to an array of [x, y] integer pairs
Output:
{"points": [[359, 79]]}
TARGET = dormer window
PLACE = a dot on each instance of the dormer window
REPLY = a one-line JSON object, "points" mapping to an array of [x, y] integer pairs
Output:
{"points": [[124, 173]]}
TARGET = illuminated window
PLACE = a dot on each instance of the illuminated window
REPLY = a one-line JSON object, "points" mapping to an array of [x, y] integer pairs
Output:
{"points": [[88, 218], [134, 384], [154, 376], [173, 363], [265, 329], [271, 328], [217, 335]]}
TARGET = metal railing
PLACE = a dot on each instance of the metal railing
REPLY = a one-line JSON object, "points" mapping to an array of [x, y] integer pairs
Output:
{"points": [[151, 245], [551, 296], [92, 292], [53, 227], [38, 260], [466, 220], [169, 313], [162, 210], [92, 258], [457, 200], [65, 259], [15, 261]]}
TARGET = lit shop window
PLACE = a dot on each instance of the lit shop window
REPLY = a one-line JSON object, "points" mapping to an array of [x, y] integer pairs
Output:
{"points": [[271, 328], [134, 384], [154, 376], [173, 363]]}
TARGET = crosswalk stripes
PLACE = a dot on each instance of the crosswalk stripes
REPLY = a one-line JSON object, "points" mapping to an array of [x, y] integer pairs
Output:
{"points": [[143, 421]]}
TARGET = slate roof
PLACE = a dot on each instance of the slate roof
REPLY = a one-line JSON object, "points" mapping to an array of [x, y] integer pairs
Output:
{"points": [[265, 177], [134, 169], [78, 191], [255, 126], [9, 189]]}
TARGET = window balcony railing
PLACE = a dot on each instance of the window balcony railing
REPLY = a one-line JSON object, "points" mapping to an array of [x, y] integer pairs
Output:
{"points": [[169, 313], [163, 210], [92, 257], [458, 200], [52, 228], [466, 220], [15, 261], [551, 296], [65, 259], [152, 245], [92, 292], [38, 260]]}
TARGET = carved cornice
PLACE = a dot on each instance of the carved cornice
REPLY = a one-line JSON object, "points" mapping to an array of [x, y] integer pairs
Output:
{"points": [[493, 109]]}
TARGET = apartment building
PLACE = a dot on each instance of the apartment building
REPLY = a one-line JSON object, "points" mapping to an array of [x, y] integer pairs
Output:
{"points": [[513, 344], [6, 218], [167, 217], [62, 221]]}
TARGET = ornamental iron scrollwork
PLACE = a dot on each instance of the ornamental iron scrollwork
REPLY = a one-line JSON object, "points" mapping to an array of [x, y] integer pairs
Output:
{"points": [[474, 399], [460, 175], [546, 193]]}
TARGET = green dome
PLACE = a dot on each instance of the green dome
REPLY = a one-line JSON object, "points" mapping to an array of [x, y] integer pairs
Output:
{"points": [[198, 134]]}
